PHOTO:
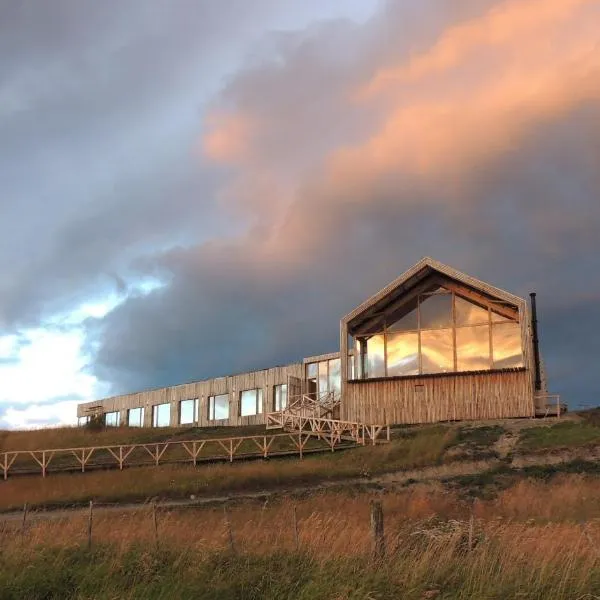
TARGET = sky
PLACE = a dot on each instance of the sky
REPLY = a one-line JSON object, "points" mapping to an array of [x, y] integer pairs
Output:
{"points": [[192, 188]]}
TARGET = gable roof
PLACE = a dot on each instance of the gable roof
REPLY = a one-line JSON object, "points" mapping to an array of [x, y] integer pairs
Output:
{"points": [[425, 267]]}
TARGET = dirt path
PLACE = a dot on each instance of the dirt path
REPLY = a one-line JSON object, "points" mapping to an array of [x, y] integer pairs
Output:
{"points": [[386, 481]]}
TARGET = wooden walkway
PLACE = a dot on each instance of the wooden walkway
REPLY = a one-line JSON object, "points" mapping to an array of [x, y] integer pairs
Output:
{"points": [[42, 462]]}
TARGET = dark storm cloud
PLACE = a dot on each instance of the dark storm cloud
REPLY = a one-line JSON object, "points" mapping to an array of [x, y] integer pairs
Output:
{"points": [[337, 156], [100, 106], [344, 193]]}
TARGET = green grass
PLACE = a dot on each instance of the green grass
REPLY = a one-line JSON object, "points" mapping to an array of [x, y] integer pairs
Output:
{"points": [[425, 447], [145, 575], [488, 484], [476, 443], [567, 434]]}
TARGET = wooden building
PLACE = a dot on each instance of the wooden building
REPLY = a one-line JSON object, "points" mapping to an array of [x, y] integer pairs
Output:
{"points": [[434, 345]]}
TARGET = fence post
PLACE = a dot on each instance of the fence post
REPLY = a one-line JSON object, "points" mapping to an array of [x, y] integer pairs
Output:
{"points": [[471, 527], [24, 520], [296, 534], [90, 520], [155, 520], [229, 529], [377, 529]]}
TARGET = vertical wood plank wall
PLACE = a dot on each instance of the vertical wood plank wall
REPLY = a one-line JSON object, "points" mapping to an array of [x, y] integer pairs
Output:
{"points": [[232, 385], [492, 395]]}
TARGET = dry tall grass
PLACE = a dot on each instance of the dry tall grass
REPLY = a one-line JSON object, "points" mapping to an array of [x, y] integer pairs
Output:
{"points": [[180, 481], [514, 554]]}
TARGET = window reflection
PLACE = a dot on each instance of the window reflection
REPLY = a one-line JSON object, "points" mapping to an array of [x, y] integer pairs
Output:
{"points": [[251, 402], [468, 313], [335, 375], [322, 376], [135, 417], [408, 322], [473, 348], [187, 411], [437, 351], [403, 354], [445, 333], [111, 419], [506, 344], [435, 311], [280, 393], [161, 415], [375, 356], [218, 407]]}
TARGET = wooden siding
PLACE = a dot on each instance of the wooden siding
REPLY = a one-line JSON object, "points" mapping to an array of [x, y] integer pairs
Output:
{"points": [[201, 390], [430, 399]]}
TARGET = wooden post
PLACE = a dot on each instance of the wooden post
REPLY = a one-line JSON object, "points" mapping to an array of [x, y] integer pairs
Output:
{"points": [[155, 520], [229, 530], [471, 531], [90, 520], [296, 534], [24, 520], [377, 529]]}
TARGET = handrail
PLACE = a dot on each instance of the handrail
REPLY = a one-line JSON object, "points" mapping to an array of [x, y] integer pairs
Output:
{"points": [[229, 446]]}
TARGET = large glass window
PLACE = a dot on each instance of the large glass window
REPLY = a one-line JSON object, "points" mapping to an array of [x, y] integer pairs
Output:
{"points": [[435, 311], [327, 375], [441, 332], [473, 348], [135, 417], [161, 415], [218, 407], [188, 409], [111, 419], [335, 376], [468, 313], [323, 381], [376, 356], [437, 351], [506, 345], [251, 402], [402, 353], [280, 396]]}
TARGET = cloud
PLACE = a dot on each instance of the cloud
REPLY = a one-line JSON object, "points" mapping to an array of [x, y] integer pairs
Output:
{"points": [[34, 416], [350, 154], [271, 194]]}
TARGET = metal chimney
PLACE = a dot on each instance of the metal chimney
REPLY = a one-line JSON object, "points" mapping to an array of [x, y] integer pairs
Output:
{"points": [[536, 343]]}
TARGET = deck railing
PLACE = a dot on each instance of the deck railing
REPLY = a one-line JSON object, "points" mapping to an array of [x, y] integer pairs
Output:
{"points": [[154, 454]]}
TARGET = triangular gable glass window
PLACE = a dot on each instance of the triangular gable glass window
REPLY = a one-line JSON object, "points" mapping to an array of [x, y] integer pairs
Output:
{"points": [[436, 310], [468, 313], [409, 322]]}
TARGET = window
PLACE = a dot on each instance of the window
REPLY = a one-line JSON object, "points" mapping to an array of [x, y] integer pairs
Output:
{"points": [[437, 351], [279, 396], [453, 334], [218, 407], [327, 375], [506, 345], [473, 348], [251, 402], [111, 419], [403, 353], [188, 409], [161, 415], [335, 376], [135, 417], [81, 421]]}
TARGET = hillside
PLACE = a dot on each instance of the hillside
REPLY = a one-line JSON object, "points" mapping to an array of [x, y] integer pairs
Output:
{"points": [[472, 510]]}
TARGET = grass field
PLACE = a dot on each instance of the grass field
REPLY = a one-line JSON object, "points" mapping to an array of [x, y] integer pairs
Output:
{"points": [[528, 542], [419, 448], [410, 448]]}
